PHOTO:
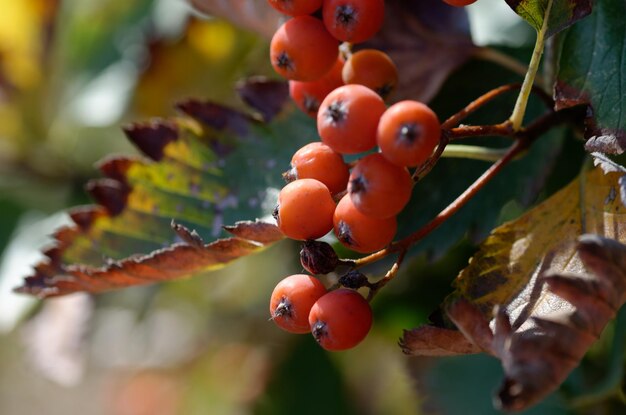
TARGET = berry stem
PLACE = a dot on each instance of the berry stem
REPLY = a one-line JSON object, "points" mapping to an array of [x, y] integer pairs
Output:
{"points": [[393, 271], [503, 128], [517, 117]]}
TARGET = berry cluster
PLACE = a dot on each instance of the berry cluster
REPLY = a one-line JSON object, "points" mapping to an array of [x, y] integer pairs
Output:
{"points": [[345, 93], [338, 319]]}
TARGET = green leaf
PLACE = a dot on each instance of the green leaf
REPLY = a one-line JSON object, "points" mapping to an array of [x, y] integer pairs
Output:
{"points": [[592, 71], [563, 13]]}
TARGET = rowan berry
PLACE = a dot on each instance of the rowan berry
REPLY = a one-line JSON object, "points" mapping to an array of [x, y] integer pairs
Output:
{"points": [[459, 3], [353, 20], [340, 319], [408, 132], [296, 7], [318, 257], [372, 68], [309, 95], [348, 118], [318, 161], [305, 210], [379, 188], [291, 302], [359, 232], [302, 49]]}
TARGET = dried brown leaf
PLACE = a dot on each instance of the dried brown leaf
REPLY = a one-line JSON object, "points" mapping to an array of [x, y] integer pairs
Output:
{"points": [[536, 295]]}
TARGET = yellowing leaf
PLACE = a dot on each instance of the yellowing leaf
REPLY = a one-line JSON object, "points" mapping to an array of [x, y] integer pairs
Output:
{"points": [[537, 294]]}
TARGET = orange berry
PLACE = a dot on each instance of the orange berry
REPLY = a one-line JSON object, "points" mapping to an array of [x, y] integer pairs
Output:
{"points": [[291, 302], [408, 132], [305, 210], [359, 232], [348, 118], [302, 49], [379, 188], [318, 161], [296, 7], [340, 319], [353, 21], [372, 68], [309, 95]]}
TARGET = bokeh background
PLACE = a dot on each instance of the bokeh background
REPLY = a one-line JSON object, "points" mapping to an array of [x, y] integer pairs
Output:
{"points": [[71, 73]]}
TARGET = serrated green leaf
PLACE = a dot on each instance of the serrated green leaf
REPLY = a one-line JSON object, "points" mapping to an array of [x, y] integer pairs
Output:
{"points": [[592, 71], [562, 14]]}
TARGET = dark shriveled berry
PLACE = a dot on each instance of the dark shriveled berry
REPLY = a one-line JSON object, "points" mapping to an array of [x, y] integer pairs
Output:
{"points": [[318, 257], [354, 279]]}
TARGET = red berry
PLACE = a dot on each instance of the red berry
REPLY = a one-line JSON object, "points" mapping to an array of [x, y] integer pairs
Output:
{"points": [[379, 188], [318, 161], [302, 49], [359, 232], [309, 95], [291, 302], [372, 68], [305, 210], [353, 20], [408, 132], [296, 7], [340, 319], [348, 118]]}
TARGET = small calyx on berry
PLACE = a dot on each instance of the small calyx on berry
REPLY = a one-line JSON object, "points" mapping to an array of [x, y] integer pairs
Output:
{"points": [[409, 132], [336, 112], [318, 257]]}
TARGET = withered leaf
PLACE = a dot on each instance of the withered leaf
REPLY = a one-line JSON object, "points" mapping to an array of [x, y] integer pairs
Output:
{"points": [[536, 295], [178, 260]]}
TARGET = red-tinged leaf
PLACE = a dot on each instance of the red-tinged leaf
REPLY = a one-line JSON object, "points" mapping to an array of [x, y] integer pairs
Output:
{"points": [[179, 260], [215, 166], [592, 72], [264, 95], [254, 15], [535, 295], [563, 13], [436, 341]]}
